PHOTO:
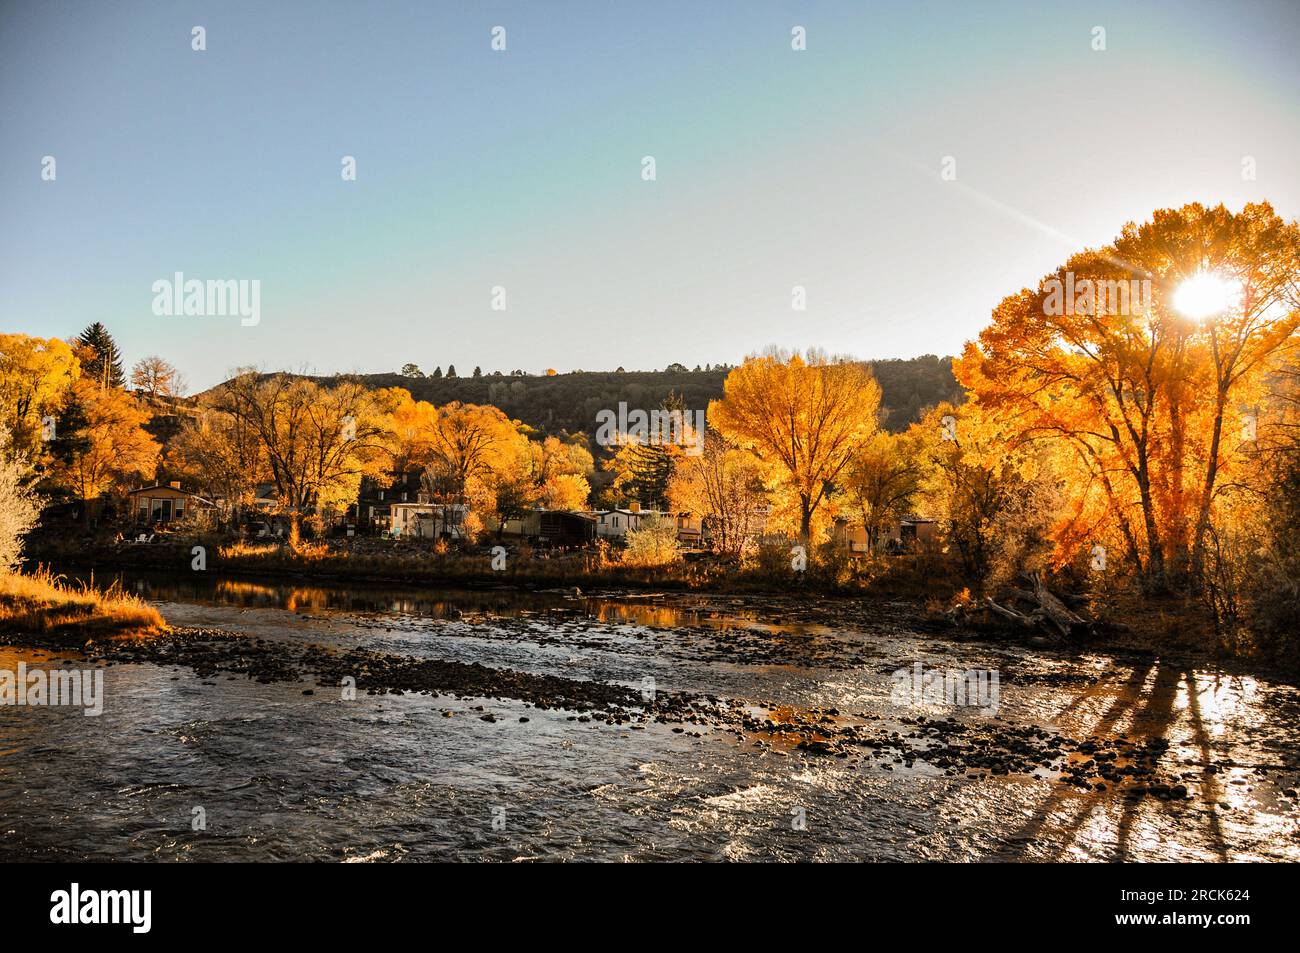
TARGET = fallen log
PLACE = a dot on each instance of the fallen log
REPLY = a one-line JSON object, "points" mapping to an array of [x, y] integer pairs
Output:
{"points": [[1028, 621], [1054, 609]]}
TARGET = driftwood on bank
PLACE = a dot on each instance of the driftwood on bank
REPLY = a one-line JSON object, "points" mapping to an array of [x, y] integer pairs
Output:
{"points": [[1037, 610]]}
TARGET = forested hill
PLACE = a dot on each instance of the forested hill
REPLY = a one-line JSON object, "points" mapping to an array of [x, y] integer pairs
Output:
{"points": [[571, 401]]}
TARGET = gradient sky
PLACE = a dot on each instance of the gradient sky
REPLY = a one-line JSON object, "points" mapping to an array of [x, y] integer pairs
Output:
{"points": [[522, 169]]}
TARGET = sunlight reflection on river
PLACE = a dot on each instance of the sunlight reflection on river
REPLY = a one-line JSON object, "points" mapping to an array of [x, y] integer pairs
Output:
{"points": [[281, 775]]}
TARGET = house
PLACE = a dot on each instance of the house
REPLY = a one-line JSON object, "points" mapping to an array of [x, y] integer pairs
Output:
{"points": [[690, 529], [850, 537], [615, 524], [165, 504], [906, 533], [375, 498], [557, 527], [428, 520], [915, 530]]}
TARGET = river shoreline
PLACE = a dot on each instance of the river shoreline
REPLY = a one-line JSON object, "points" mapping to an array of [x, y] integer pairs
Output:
{"points": [[1144, 634], [697, 722]]}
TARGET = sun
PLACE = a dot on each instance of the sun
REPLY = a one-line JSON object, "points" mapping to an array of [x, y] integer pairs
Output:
{"points": [[1205, 294]]}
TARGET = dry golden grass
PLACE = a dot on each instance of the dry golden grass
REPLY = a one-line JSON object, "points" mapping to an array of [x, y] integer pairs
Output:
{"points": [[241, 549], [44, 603]]}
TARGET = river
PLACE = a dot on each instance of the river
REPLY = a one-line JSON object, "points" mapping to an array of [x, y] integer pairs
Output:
{"points": [[220, 766]]}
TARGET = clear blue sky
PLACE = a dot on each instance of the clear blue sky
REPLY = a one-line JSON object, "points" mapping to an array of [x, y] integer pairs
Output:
{"points": [[522, 169]]}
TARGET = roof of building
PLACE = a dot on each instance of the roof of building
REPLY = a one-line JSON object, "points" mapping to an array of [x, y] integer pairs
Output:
{"points": [[170, 489]]}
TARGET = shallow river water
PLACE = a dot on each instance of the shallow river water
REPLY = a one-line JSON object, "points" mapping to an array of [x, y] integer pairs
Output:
{"points": [[180, 766]]}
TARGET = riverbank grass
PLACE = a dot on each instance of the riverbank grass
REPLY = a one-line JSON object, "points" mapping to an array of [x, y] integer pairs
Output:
{"points": [[42, 602]]}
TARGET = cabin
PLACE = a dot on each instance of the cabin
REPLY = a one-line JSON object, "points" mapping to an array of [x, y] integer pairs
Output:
{"points": [[164, 503], [555, 527], [427, 520], [617, 523], [907, 533], [916, 530], [375, 498], [690, 530], [850, 537]]}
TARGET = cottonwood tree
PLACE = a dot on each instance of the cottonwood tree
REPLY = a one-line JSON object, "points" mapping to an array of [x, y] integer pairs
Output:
{"points": [[723, 486], [112, 449], [1142, 396], [19, 506], [411, 426], [882, 482], [36, 377], [471, 447], [993, 499], [156, 378], [221, 455], [803, 416], [318, 441], [559, 471]]}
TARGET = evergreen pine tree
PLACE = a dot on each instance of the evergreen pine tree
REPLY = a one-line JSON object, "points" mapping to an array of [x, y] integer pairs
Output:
{"points": [[106, 366]]}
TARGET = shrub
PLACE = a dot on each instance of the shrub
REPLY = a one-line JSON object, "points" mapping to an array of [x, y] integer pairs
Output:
{"points": [[654, 543]]}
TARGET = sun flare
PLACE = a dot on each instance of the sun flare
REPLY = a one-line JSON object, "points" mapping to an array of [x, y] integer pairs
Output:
{"points": [[1205, 294]]}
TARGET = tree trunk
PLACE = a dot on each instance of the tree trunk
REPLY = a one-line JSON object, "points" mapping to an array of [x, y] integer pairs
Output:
{"points": [[1207, 492]]}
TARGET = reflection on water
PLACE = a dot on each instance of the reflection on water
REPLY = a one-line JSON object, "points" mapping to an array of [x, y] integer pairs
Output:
{"points": [[427, 602], [283, 775]]}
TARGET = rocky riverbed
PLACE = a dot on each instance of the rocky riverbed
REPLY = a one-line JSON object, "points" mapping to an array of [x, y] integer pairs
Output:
{"points": [[382, 725]]}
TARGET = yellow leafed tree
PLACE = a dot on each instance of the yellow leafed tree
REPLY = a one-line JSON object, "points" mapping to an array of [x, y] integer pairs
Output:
{"points": [[803, 417], [112, 448], [1142, 385], [36, 376]]}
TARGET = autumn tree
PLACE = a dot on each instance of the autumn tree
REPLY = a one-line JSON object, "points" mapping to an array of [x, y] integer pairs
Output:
{"points": [[220, 454], [36, 378], [113, 448], [882, 481], [410, 425], [559, 471], [724, 487], [802, 416], [471, 446], [318, 441], [19, 506], [993, 499], [1139, 391], [156, 378]]}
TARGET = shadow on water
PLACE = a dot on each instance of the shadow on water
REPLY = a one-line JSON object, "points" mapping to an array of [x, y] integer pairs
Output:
{"points": [[1147, 703], [393, 776]]}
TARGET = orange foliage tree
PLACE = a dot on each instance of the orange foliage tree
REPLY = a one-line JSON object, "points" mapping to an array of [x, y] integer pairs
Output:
{"points": [[803, 417], [112, 447], [1142, 397]]}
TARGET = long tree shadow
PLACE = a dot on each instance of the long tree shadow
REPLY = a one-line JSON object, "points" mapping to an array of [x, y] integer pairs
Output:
{"points": [[1210, 788], [1154, 718], [1126, 697]]}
